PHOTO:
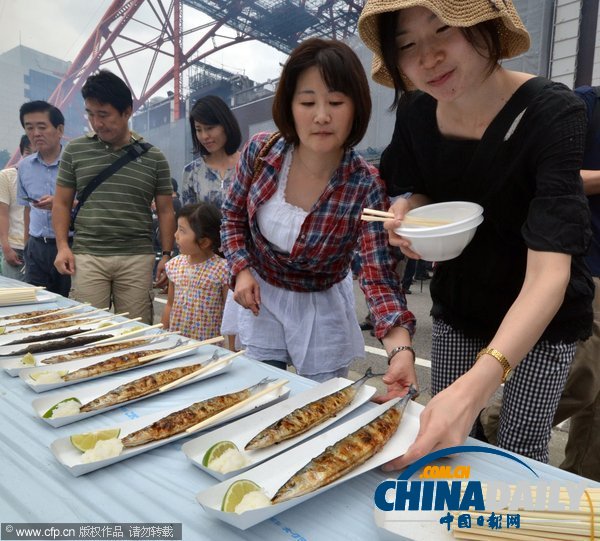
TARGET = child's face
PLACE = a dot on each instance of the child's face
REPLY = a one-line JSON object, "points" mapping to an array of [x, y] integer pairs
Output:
{"points": [[186, 238]]}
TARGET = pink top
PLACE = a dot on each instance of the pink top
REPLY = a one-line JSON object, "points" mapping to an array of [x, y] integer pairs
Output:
{"points": [[198, 304]]}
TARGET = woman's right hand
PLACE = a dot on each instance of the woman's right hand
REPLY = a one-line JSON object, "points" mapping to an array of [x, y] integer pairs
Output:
{"points": [[399, 209], [247, 291]]}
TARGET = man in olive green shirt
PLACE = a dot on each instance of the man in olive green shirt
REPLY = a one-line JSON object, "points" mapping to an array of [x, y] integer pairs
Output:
{"points": [[112, 256]]}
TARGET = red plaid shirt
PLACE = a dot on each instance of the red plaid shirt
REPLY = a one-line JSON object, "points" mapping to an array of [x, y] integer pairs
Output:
{"points": [[328, 237]]}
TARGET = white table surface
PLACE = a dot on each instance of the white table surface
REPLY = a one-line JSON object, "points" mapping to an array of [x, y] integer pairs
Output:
{"points": [[160, 485]]}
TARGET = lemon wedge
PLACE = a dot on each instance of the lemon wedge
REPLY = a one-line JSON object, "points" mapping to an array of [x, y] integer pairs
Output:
{"points": [[41, 374], [88, 440], [28, 359]]}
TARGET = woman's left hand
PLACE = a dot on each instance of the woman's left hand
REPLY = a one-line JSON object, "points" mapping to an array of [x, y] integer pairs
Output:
{"points": [[448, 417], [400, 375]]}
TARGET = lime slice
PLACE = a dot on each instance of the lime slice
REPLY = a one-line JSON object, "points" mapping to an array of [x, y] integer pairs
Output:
{"points": [[236, 492], [217, 450], [88, 440], [49, 413], [2, 330], [28, 359]]}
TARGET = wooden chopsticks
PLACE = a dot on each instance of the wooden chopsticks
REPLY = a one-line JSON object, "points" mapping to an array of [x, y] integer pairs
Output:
{"points": [[373, 215], [200, 370], [237, 406]]}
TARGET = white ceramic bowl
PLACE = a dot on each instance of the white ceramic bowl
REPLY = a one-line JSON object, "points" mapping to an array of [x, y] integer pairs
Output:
{"points": [[459, 214], [443, 246]]}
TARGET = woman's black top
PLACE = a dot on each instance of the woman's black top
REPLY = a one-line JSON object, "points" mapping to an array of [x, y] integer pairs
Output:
{"points": [[532, 196]]}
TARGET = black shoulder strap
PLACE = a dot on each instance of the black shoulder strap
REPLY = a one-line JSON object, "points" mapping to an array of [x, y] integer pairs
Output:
{"points": [[593, 124], [500, 126], [134, 151]]}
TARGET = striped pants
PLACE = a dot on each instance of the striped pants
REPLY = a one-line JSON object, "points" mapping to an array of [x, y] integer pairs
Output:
{"points": [[530, 396]]}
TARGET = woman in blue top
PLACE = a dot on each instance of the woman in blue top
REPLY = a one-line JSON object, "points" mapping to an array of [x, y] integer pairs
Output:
{"points": [[216, 136]]}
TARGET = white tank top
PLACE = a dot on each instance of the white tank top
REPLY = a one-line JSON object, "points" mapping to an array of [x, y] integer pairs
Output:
{"points": [[279, 221]]}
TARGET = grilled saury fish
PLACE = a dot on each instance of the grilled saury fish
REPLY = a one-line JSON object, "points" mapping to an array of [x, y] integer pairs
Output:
{"points": [[95, 350], [55, 345], [60, 324], [302, 419], [61, 333], [30, 315], [181, 420], [139, 387], [345, 455], [114, 364]]}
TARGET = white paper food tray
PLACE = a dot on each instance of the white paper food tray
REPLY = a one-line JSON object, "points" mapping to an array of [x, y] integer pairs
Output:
{"points": [[13, 365], [410, 526], [82, 310], [5, 339], [168, 342], [273, 474], [86, 393], [242, 431], [70, 457]]}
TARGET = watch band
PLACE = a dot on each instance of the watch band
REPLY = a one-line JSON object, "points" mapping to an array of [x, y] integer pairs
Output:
{"points": [[167, 253], [398, 349], [506, 375]]}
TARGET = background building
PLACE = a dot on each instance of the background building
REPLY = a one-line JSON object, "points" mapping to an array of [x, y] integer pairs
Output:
{"points": [[558, 51], [31, 75]]}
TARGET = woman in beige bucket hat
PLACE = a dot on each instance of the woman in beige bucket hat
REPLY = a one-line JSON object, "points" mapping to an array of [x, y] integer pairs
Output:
{"points": [[518, 298]]}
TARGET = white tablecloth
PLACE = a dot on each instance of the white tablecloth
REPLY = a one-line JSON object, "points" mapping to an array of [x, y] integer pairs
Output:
{"points": [[160, 485]]}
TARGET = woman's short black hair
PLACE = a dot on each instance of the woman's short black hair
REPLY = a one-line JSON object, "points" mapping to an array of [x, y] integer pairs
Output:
{"points": [[213, 111], [205, 221], [484, 37], [342, 72], [23, 144], [106, 87]]}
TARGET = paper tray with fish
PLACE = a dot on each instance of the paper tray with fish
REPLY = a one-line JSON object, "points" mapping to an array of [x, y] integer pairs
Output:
{"points": [[41, 297], [13, 363], [47, 313], [70, 457], [93, 323], [242, 431], [89, 392], [31, 376], [271, 475]]}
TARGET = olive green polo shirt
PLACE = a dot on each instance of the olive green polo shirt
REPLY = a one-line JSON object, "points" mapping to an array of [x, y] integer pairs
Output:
{"points": [[116, 218]]}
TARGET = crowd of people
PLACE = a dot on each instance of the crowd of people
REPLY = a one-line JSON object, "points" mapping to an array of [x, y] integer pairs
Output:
{"points": [[268, 232]]}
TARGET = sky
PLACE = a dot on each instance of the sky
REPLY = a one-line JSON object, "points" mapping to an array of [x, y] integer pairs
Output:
{"points": [[61, 27]]}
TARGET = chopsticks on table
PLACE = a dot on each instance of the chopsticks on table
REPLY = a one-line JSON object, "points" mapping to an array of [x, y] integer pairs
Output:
{"points": [[373, 215], [126, 336], [237, 406], [195, 373], [567, 524], [102, 329], [185, 347], [19, 294]]}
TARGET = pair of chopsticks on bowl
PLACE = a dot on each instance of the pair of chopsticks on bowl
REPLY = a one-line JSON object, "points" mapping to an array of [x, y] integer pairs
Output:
{"points": [[373, 215]]}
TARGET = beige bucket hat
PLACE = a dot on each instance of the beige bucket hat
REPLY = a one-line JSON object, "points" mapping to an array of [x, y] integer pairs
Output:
{"points": [[514, 37]]}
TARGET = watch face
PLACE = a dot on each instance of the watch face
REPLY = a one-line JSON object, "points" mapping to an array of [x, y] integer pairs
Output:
{"points": [[508, 376]]}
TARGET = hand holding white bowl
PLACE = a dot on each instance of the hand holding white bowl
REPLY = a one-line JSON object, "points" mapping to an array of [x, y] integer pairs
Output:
{"points": [[400, 208], [445, 231]]}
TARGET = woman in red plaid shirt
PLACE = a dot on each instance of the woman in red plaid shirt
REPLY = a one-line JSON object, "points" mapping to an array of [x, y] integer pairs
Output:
{"points": [[291, 222]]}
